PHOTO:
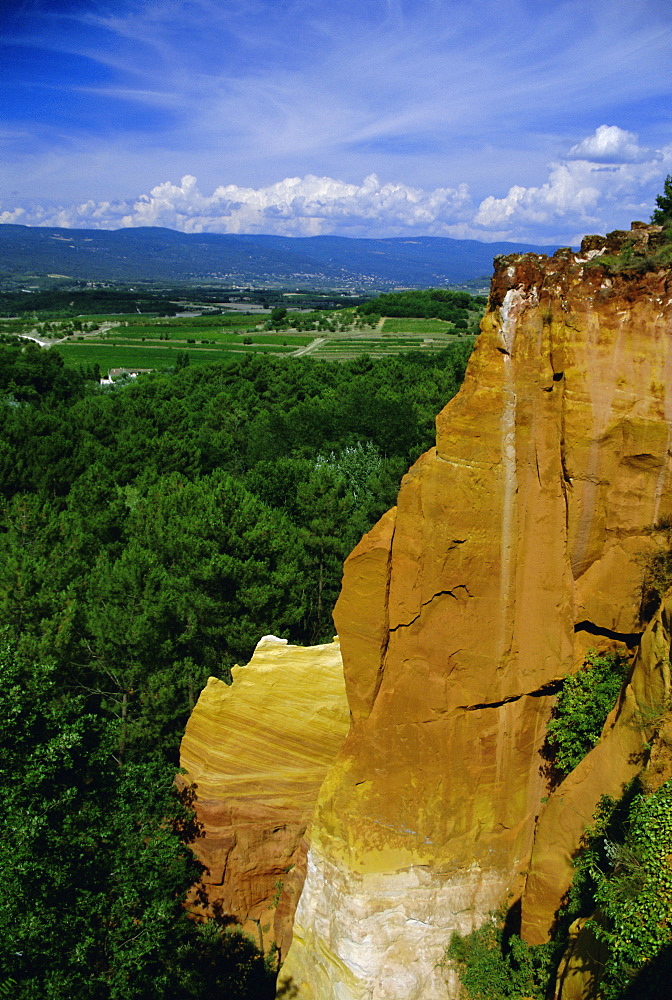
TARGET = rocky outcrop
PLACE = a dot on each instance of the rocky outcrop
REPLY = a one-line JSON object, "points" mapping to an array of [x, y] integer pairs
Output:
{"points": [[516, 543], [617, 758], [257, 752], [636, 740]]}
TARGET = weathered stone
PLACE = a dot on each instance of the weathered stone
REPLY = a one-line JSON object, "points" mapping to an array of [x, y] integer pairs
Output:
{"points": [[257, 752], [580, 966], [532, 514]]}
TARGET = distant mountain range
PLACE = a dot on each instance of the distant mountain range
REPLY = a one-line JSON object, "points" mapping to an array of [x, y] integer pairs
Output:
{"points": [[164, 255]]}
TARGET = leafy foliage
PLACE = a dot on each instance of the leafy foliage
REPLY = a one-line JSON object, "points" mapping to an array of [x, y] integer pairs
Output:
{"points": [[433, 302], [95, 866], [31, 375], [495, 967], [623, 884], [624, 880], [148, 538], [582, 708], [662, 215]]}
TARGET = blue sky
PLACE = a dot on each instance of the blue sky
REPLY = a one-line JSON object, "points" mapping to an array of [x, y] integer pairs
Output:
{"points": [[488, 119]]}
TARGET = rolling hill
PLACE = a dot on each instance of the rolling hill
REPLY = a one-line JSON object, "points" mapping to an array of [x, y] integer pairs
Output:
{"points": [[155, 254]]}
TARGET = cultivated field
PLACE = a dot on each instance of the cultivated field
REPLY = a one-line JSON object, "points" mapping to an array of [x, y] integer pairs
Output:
{"points": [[154, 342]]}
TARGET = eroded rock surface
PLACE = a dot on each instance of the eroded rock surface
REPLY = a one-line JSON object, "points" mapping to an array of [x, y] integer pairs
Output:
{"points": [[257, 751], [532, 516]]}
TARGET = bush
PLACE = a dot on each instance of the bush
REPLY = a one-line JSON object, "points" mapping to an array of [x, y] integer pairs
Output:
{"points": [[581, 710], [662, 215], [624, 880], [493, 968]]}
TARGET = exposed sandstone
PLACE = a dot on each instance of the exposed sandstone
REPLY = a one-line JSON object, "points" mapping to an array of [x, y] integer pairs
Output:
{"points": [[531, 516], [257, 752]]}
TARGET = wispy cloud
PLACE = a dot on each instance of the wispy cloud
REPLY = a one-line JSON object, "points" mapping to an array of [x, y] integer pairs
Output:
{"points": [[430, 94]]}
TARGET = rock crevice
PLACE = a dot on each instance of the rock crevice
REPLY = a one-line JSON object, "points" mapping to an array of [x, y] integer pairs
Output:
{"points": [[441, 593], [549, 689]]}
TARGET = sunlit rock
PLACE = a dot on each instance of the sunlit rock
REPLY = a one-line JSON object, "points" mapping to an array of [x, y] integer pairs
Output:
{"points": [[531, 518], [257, 752]]}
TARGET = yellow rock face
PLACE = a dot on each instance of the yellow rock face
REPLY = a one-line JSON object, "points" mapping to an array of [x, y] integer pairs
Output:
{"points": [[257, 752], [530, 517]]}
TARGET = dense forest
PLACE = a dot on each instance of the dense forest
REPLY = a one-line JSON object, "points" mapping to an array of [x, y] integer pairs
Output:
{"points": [[430, 303], [151, 532]]}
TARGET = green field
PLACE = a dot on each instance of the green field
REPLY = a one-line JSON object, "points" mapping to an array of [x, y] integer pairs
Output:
{"points": [[143, 341], [394, 324], [137, 342], [151, 335], [345, 348], [145, 356]]}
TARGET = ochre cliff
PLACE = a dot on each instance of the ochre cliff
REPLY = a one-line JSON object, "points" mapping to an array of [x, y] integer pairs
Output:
{"points": [[257, 752], [531, 518]]}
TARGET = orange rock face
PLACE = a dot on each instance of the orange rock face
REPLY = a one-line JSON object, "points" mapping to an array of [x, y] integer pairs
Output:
{"points": [[257, 752], [457, 621]]}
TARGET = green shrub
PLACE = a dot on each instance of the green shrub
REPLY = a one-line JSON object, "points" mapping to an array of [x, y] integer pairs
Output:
{"points": [[624, 879], [494, 968], [662, 215], [581, 710]]}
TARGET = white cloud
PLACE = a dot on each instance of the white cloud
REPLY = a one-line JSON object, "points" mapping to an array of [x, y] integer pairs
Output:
{"points": [[611, 144], [567, 192], [298, 206], [604, 188], [15, 216], [605, 178]]}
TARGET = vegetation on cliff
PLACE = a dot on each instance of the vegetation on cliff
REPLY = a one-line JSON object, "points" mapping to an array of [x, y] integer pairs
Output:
{"points": [[622, 893], [620, 900], [581, 710], [495, 964], [644, 248], [624, 887], [493, 961], [662, 214]]}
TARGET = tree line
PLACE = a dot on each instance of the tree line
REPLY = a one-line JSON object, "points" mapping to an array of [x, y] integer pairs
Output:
{"points": [[429, 303]]}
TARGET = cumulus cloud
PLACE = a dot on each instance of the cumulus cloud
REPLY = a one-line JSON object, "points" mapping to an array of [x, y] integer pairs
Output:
{"points": [[605, 180], [15, 216], [567, 191], [611, 144], [295, 206]]}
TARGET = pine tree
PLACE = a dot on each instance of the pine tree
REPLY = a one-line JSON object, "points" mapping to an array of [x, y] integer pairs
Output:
{"points": [[662, 215]]}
